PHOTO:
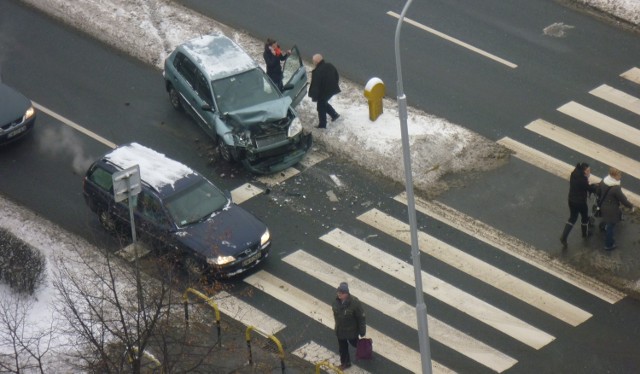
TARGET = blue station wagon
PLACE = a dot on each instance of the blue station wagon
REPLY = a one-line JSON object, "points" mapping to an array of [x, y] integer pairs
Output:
{"points": [[178, 210]]}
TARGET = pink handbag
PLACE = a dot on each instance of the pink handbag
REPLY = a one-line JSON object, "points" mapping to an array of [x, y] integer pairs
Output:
{"points": [[364, 349]]}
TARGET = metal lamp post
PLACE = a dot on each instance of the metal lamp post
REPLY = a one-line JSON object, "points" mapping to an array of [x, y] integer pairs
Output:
{"points": [[421, 308]]}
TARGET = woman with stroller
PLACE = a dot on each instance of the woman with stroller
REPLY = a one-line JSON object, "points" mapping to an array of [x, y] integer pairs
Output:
{"points": [[610, 196]]}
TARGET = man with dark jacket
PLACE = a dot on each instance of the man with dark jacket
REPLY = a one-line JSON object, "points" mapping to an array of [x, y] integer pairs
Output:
{"points": [[350, 322], [324, 84]]}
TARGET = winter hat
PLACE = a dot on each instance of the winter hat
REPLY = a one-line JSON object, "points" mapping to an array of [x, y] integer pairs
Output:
{"points": [[343, 287]]}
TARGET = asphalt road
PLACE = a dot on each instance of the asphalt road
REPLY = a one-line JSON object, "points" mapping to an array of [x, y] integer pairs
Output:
{"points": [[123, 100], [454, 82]]}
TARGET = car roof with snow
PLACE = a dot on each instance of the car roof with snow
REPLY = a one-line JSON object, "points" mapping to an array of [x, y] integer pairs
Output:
{"points": [[157, 170], [218, 55]]}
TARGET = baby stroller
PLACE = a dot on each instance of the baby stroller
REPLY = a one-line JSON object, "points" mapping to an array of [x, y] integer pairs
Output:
{"points": [[594, 213]]}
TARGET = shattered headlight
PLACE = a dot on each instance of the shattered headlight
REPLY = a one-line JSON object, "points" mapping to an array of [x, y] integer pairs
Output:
{"points": [[294, 128]]}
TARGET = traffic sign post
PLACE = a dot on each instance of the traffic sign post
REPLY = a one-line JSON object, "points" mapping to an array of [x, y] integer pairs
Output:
{"points": [[127, 185]]}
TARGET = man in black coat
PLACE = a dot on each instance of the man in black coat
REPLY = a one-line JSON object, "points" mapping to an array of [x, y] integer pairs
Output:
{"points": [[350, 322], [324, 84]]}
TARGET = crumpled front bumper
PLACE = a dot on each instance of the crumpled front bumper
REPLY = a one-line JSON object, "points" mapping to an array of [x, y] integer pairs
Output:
{"points": [[274, 164]]}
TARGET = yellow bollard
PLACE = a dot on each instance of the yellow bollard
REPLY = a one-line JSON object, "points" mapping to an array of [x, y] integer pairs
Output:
{"points": [[374, 92]]}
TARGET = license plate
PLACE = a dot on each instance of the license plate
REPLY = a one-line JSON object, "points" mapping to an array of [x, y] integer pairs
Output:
{"points": [[16, 132], [251, 259]]}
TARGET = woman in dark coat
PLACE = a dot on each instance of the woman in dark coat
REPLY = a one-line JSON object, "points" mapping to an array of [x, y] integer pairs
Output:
{"points": [[611, 196], [579, 189], [272, 56]]}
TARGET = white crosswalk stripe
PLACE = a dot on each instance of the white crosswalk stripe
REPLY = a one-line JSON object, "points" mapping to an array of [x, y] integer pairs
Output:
{"points": [[245, 313], [402, 312], [585, 146], [602, 122], [321, 312], [617, 97], [632, 74], [315, 353], [445, 292], [481, 270]]}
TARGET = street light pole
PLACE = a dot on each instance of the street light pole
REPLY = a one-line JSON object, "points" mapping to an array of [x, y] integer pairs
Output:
{"points": [[421, 308]]}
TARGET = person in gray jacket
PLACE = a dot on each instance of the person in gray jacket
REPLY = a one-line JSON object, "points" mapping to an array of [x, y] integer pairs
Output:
{"points": [[350, 322], [611, 197]]}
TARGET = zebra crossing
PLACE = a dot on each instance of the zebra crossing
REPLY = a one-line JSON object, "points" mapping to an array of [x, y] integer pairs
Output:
{"points": [[511, 326]]}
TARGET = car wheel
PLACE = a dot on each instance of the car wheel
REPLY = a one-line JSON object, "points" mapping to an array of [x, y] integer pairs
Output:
{"points": [[174, 97], [107, 221], [193, 268], [224, 150]]}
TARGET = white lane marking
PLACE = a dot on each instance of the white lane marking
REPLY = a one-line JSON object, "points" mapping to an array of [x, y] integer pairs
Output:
{"points": [[402, 312], [312, 158], [75, 126], [602, 122], [617, 97], [321, 312], [277, 178], [562, 170], [632, 74], [585, 146], [479, 269], [244, 193], [247, 314], [443, 291], [515, 247], [315, 353], [454, 40]]}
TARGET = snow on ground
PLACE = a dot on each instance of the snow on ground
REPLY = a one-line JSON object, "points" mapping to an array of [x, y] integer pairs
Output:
{"points": [[150, 29]]}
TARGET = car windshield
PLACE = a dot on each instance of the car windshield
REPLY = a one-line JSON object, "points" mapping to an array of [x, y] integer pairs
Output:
{"points": [[196, 203], [244, 90]]}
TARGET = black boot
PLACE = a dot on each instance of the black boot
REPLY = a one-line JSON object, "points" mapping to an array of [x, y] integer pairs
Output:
{"points": [[565, 234], [585, 230]]}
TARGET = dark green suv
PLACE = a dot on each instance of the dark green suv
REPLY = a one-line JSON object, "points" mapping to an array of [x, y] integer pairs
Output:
{"points": [[235, 102]]}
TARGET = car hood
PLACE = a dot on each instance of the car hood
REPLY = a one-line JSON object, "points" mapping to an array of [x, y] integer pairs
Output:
{"points": [[264, 112], [13, 104], [229, 232]]}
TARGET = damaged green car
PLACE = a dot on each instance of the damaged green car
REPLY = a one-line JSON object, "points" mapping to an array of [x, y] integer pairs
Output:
{"points": [[234, 101]]}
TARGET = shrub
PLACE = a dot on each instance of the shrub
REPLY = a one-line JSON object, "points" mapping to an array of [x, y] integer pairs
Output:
{"points": [[22, 267]]}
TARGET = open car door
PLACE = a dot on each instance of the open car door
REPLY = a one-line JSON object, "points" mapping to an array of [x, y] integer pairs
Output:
{"points": [[295, 77]]}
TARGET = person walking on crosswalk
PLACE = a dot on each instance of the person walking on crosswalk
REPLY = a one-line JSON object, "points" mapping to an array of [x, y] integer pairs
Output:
{"points": [[350, 322], [611, 196], [579, 189]]}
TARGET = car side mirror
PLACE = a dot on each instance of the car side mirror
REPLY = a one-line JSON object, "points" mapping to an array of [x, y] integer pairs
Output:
{"points": [[288, 86]]}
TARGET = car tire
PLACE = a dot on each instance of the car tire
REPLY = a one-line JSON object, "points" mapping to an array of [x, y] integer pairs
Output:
{"points": [[174, 98], [224, 150], [107, 221], [192, 268]]}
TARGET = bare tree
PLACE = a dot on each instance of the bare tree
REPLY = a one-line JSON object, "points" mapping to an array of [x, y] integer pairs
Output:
{"points": [[111, 308], [118, 314], [23, 348]]}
